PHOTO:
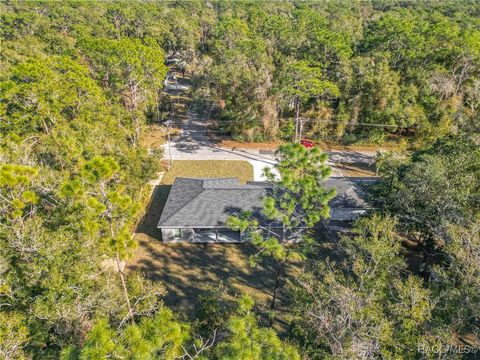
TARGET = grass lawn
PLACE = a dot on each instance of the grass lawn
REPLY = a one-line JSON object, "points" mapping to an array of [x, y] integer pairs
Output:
{"points": [[209, 168], [186, 269]]}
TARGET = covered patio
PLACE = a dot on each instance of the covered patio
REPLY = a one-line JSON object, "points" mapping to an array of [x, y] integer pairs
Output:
{"points": [[203, 235]]}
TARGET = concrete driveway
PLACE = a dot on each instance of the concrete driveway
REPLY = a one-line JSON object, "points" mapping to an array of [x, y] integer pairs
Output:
{"points": [[194, 144]]}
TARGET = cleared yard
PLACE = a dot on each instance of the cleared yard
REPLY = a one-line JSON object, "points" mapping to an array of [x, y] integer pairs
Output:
{"points": [[209, 168], [187, 269]]}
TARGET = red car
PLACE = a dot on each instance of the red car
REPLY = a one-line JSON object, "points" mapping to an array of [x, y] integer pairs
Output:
{"points": [[307, 144]]}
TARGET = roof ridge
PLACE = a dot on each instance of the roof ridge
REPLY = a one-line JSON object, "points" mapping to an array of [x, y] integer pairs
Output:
{"points": [[187, 178], [206, 178], [218, 183], [188, 202], [166, 202]]}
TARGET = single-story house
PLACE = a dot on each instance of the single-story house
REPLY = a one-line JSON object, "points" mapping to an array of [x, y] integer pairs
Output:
{"points": [[197, 209], [350, 201]]}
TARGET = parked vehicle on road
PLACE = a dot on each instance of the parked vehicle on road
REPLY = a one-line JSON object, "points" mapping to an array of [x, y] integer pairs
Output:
{"points": [[307, 143]]}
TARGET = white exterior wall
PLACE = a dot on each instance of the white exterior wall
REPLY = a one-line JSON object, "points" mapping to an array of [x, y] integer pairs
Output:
{"points": [[189, 235], [346, 214]]}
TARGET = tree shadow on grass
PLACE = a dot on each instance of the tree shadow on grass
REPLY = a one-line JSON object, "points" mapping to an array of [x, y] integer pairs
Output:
{"points": [[148, 224], [185, 269], [188, 269]]}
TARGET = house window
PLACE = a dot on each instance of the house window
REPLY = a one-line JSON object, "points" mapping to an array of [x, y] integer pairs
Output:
{"points": [[177, 233]]}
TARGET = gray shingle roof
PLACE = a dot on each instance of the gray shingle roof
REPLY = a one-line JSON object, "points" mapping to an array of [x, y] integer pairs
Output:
{"points": [[350, 192], [209, 202], [205, 202]]}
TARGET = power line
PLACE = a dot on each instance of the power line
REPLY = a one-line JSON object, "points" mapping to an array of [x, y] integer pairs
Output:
{"points": [[229, 136], [342, 122], [362, 124]]}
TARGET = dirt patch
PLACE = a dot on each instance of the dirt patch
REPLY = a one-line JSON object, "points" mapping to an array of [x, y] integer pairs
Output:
{"points": [[186, 270], [248, 145], [155, 136], [413, 254], [357, 169], [330, 145], [324, 145]]}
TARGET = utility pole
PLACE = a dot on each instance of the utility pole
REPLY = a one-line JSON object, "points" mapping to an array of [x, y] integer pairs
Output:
{"points": [[298, 128], [296, 131], [301, 122]]}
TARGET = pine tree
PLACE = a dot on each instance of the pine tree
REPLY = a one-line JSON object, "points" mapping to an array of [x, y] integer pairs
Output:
{"points": [[248, 341], [296, 201], [101, 193]]}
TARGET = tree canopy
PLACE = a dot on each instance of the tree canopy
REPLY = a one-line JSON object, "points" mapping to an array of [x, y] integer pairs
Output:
{"points": [[80, 81]]}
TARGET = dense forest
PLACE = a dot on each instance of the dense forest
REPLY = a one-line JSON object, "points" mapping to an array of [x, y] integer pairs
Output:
{"points": [[80, 81]]}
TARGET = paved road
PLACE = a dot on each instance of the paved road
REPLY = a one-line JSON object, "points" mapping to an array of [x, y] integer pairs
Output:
{"points": [[193, 144], [352, 157]]}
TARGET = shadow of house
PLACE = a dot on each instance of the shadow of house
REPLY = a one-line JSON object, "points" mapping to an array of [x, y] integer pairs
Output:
{"points": [[148, 224]]}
